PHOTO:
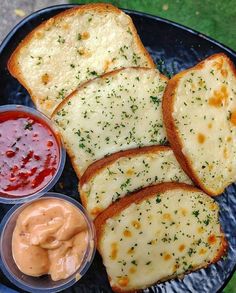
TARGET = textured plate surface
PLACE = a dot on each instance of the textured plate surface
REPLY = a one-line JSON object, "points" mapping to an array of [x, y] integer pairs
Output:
{"points": [[173, 48]]}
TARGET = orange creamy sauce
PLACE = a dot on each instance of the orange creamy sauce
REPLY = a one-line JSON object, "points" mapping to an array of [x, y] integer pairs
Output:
{"points": [[50, 237]]}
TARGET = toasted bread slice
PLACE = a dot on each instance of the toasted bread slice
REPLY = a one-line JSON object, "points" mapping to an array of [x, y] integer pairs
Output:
{"points": [[119, 111], [199, 110], [73, 47], [159, 233], [113, 177]]}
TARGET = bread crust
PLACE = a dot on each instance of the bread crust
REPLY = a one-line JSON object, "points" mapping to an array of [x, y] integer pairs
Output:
{"points": [[81, 87], [13, 66], [137, 197], [172, 132]]}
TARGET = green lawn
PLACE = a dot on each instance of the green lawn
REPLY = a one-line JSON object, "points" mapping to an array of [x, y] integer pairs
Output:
{"points": [[215, 18]]}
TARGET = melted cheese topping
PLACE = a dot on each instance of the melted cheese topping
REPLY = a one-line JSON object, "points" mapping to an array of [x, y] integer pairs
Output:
{"points": [[177, 231], [110, 114], [75, 48], [128, 174], [204, 115]]}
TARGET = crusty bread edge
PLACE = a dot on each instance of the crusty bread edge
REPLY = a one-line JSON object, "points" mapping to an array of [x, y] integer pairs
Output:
{"points": [[137, 197], [103, 163], [12, 64], [81, 87], [172, 132]]}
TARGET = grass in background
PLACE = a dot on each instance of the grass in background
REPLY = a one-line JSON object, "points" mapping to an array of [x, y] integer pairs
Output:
{"points": [[231, 286], [215, 18]]}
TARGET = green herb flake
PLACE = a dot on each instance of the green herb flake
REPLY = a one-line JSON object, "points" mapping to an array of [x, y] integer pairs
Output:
{"points": [[155, 100], [196, 213], [158, 199]]}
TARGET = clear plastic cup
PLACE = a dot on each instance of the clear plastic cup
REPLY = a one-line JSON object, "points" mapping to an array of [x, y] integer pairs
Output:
{"points": [[62, 155], [44, 283]]}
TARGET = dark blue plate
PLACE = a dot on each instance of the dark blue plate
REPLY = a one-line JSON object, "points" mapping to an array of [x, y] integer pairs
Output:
{"points": [[173, 48]]}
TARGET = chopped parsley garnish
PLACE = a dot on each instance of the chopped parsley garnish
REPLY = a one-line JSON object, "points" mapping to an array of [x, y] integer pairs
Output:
{"points": [[158, 199], [155, 100]]}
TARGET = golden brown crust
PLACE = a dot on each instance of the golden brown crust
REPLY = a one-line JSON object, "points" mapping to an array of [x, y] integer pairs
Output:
{"points": [[172, 132], [12, 64], [81, 87], [137, 197]]}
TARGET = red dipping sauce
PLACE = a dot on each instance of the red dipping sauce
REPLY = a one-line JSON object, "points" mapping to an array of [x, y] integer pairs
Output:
{"points": [[30, 154]]}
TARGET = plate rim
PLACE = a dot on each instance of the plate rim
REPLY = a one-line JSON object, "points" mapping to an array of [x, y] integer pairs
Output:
{"points": [[229, 50]]}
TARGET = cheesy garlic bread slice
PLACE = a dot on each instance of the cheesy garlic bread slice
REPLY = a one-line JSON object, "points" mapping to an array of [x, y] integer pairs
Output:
{"points": [[118, 111], [199, 110], [73, 47], [159, 233], [113, 177]]}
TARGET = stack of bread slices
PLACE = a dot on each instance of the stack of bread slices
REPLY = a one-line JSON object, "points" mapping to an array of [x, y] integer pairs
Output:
{"points": [[138, 142]]}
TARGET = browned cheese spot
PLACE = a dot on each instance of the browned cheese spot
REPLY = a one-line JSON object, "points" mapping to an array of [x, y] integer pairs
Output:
{"points": [[45, 78], [181, 247], [132, 270], [129, 172], [175, 267], [114, 251], [201, 138], [226, 155], [166, 217], [219, 98], [130, 250], [127, 233], [218, 64], [167, 256], [39, 34], [123, 281], [66, 26], [85, 35], [213, 206], [136, 224], [106, 65], [233, 118], [202, 251], [211, 239], [200, 230], [183, 211], [224, 72]]}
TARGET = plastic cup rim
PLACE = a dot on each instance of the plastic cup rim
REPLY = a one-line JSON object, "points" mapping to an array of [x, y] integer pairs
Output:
{"points": [[90, 252]]}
